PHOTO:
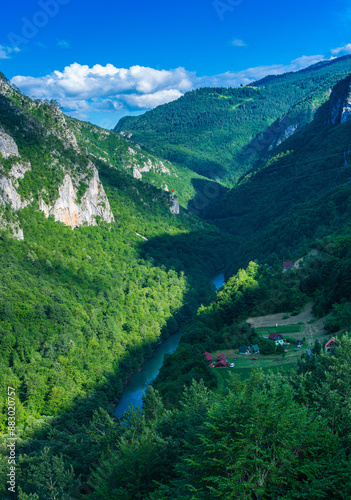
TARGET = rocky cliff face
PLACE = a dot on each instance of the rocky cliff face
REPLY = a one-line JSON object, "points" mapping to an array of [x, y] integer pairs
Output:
{"points": [[346, 111], [9, 181], [58, 147], [8, 147], [9, 185], [63, 131], [141, 163], [340, 102], [68, 210], [174, 208]]}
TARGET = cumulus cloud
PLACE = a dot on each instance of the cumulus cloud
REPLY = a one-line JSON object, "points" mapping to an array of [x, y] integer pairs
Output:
{"points": [[137, 87], [342, 50], [84, 90], [148, 101]]}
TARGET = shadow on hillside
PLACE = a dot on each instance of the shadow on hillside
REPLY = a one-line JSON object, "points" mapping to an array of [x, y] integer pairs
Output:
{"points": [[207, 194], [74, 433]]}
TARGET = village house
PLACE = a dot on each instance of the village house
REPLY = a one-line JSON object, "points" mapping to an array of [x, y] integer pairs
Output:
{"points": [[330, 344], [221, 361], [244, 349], [288, 265], [208, 357], [276, 338]]}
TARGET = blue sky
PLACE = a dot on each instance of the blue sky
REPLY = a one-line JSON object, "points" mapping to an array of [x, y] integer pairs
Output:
{"points": [[105, 59]]}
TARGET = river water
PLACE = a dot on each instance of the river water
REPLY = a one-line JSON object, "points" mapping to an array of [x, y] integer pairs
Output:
{"points": [[133, 392]]}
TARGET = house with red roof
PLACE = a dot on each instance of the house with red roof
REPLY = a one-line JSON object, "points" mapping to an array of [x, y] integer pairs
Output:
{"points": [[330, 344], [208, 357], [288, 265], [221, 361]]}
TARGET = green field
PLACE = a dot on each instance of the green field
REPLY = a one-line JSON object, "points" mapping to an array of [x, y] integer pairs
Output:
{"points": [[280, 329], [244, 364]]}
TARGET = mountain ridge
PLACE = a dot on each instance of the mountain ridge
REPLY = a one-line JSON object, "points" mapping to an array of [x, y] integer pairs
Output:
{"points": [[211, 130]]}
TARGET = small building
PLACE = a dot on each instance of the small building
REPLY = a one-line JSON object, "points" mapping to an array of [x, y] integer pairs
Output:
{"points": [[330, 344], [276, 338], [208, 357], [298, 343], [221, 356], [288, 265], [244, 349], [255, 349], [221, 363]]}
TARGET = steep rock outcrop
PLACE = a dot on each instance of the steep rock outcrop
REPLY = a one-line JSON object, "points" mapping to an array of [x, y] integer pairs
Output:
{"points": [[9, 185], [174, 208], [140, 163], [63, 131], [346, 112], [8, 147], [68, 210], [10, 196], [340, 102]]}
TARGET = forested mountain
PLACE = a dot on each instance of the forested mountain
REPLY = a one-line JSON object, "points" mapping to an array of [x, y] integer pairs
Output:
{"points": [[220, 132], [99, 263], [301, 192], [81, 302]]}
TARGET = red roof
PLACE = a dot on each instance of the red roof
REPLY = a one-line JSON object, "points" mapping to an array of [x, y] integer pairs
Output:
{"points": [[222, 356], [220, 363], [288, 263], [208, 356], [330, 343]]}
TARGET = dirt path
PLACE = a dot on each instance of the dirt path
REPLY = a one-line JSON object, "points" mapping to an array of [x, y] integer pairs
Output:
{"points": [[312, 327]]}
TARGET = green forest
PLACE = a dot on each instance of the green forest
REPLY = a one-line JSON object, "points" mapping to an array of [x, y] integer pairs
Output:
{"points": [[220, 132], [82, 308]]}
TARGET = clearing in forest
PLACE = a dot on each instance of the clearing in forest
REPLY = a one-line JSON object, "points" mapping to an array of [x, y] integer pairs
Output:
{"points": [[307, 325]]}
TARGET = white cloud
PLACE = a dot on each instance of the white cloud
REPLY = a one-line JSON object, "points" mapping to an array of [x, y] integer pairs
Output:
{"points": [[148, 101], [342, 50], [80, 81], [84, 90], [238, 43], [6, 51], [233, 79]]}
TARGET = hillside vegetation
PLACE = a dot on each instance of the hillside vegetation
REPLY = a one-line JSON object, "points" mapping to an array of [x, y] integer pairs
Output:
{"points": [[82, 305], [220, 132]]}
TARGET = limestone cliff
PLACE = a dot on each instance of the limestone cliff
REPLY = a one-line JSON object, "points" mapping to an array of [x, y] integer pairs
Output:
{"points": [[141, 163], [9, 185], [340, 102], [8, 147], [174, 208], [10, 197], [68, 210]]}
